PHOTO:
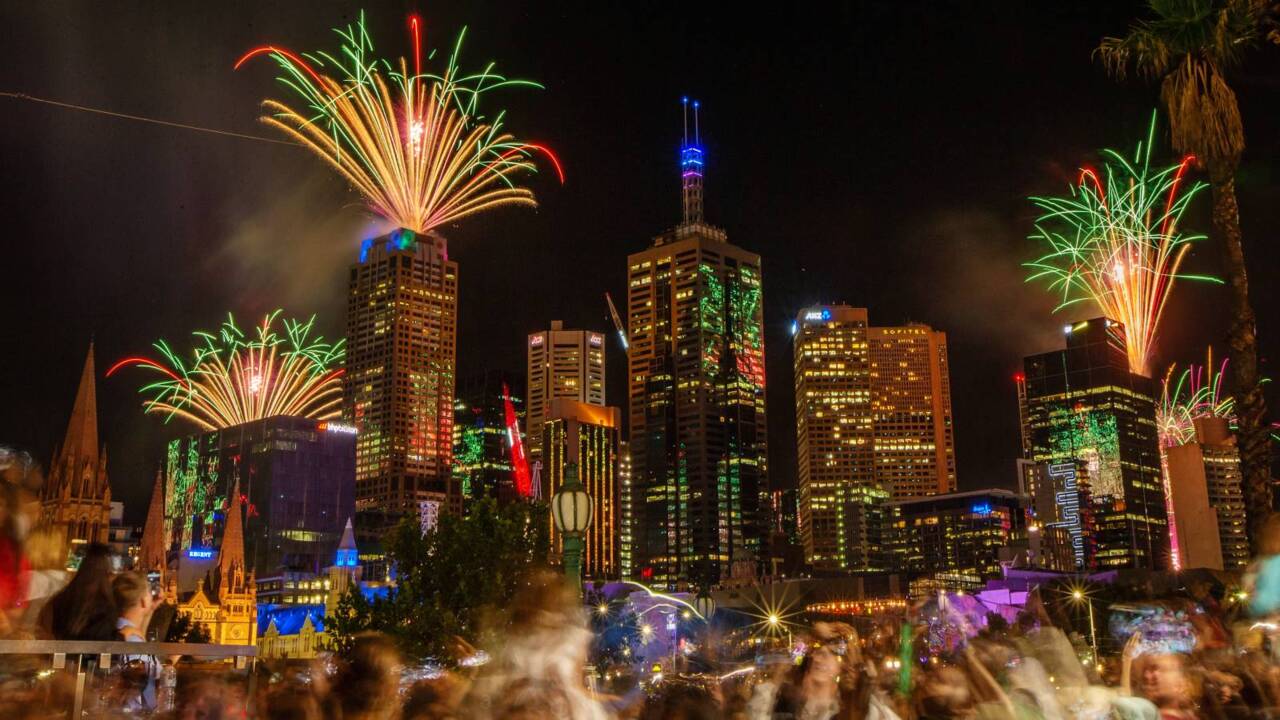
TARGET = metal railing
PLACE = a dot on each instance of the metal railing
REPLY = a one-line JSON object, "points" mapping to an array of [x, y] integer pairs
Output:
{"points": [[243, 657]]}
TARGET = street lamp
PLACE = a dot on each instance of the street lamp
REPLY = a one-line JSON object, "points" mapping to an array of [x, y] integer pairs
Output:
{"points": [[1078, 596], [571, 508]]}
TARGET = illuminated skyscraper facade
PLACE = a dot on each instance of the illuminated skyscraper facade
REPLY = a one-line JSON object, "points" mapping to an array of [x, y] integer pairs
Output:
{"points": [[626, 528], [873, 421], [954, 541], [587, 435], [914, 449], [296, 477], [1084, 406], [696, 397], [566, 364], [482, 459], [402, 314]]}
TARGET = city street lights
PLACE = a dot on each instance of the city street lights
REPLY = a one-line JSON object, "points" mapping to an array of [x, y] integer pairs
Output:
{"points": [[775, 622], [1078, 596], [571, 509]]}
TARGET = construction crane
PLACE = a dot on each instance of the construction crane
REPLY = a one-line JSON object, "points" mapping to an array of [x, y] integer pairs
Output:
{"points": [[617, 322]]}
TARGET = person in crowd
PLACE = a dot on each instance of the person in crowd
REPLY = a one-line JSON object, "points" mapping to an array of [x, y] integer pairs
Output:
{"points": [[14, 567], [1162, 678], [682, 701], [85, 609], [133, 597], [366, 684], [47, 555], [538, 672]]}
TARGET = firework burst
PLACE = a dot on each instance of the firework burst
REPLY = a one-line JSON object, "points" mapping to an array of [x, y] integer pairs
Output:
{"points": [[233, 378], [413, 143], [1197, 393], [1116, 241]]}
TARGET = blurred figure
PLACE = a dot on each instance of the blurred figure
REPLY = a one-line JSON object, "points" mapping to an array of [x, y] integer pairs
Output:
{"points": [[812, 692], [290, 701], [47, 556], [682, 701], [366, 684], [539, 672], [14, 570], [943, 694], [1163, 680], [436, 699], [85, 609]]}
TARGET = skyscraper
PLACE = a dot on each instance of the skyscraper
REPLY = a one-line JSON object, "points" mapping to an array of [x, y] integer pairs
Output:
{"points": [[297, 476], [914, 451], [1208, 498], [482, 442], [1085, 406], [587, 435], [696, 396], [565, 364], [402, 314], [76, 498], [873, 421], [1058, 499]]}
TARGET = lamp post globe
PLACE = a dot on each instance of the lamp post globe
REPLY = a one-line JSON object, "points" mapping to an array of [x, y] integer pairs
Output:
{"points": [[571, 509], [705, 605]]}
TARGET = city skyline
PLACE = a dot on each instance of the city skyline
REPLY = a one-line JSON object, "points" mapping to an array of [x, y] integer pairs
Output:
{"points": [[59, 334]]}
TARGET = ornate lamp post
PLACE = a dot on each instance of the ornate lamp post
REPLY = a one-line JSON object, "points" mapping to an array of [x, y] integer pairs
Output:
{"points": [[571, 508]]}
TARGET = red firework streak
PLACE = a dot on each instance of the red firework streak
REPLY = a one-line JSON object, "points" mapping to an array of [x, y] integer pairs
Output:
{"points": [[519, 463]]}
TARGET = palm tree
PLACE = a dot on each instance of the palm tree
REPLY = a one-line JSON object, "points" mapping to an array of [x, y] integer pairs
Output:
{"points": [[1188, 45]]}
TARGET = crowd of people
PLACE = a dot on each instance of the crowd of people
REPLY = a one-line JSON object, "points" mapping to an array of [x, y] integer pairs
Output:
{"points": [[1033, 667]]}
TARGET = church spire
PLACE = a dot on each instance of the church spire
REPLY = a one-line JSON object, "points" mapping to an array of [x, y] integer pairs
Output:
{"points": [[691, 166], [154, 551], [231, 555], [80, 446], [347, 555]]}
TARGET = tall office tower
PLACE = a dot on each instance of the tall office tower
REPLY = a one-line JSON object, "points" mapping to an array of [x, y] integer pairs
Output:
{"points": [[296, 476], [483, 462], [1085, 406], [76, 499], [565, 364], [587, 435], [626, 527], [914, 452], [696, 397], [402, 314], [834, 436], [873, 420], [1208, 498], [1058, 498]]}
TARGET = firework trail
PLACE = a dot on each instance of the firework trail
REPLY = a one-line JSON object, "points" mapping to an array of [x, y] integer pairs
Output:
{"points": [[234, 379], [413, 143], [1116, 241]]}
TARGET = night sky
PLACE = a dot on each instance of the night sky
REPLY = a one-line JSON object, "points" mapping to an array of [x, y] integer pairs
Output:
{"points": [[878, 155]]}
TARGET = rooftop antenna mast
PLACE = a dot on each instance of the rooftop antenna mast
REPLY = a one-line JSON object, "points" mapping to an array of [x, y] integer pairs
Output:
{"points": [[691, 166]]}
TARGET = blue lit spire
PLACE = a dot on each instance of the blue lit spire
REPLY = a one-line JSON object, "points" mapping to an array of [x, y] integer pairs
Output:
{"points": [[347, 555], [692, 161]]}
